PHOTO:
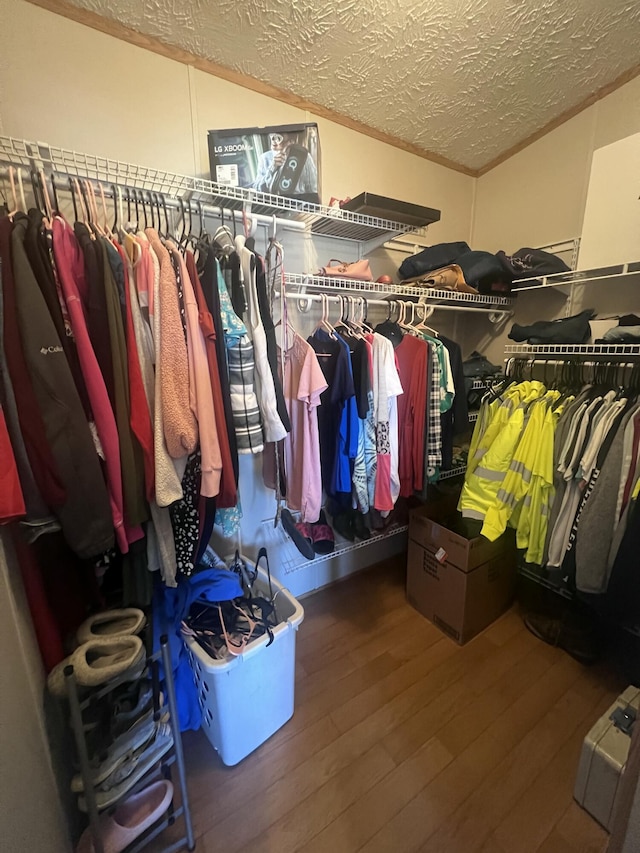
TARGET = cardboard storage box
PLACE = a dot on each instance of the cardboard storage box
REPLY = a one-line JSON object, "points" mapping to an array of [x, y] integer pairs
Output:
{"points": [[461, 585], [282, 160], [604, 756]]}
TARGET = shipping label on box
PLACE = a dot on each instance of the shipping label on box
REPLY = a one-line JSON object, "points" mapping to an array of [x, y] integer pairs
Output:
{"points": [[465, 554]]}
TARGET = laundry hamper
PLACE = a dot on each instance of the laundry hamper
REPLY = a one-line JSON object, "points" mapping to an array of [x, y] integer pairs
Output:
{"points": [[246, 699]]}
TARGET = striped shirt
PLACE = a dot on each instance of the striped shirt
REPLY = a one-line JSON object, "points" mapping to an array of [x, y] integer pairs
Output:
{"points": [[241, 363]]}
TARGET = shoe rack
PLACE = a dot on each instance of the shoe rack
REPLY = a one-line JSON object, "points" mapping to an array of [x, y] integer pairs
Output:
{"points": [[172, 760]]}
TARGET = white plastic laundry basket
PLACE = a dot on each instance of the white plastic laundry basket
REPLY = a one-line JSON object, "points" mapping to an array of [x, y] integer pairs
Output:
{"points": [[246, 699]]}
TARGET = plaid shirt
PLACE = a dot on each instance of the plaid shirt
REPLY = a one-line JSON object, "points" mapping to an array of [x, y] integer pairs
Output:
{"points": [[434, 426], [241, 363]]}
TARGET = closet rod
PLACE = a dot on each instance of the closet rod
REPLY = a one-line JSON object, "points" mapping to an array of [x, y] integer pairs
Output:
{"points": [[317, 297], [172, 201]]}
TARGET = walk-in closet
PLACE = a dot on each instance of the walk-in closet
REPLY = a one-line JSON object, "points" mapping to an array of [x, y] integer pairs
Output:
{"points": [[319, 427]]}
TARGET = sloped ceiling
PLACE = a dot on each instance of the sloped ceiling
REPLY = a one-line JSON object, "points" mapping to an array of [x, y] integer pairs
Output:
{"points": [[464, 79]]}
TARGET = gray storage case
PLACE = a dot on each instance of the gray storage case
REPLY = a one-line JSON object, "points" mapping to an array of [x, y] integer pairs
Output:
{"points": [[604, 756]]}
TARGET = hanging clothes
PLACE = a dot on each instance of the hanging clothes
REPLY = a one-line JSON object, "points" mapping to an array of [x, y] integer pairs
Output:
{"points": [[386, 389], [172, 366], [264, 296], [274, 429], [39, 520], [41, 460], [241, 365], [200, 386], [70, 269], [333, 358], [412, 359], [85, 516], [11, 500], [304, 383], [227, 494], [131, 461]]}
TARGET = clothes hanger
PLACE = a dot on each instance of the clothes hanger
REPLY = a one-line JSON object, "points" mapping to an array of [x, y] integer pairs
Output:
{"points": [[151, 210], [35, 189], [105, 217], [421, 325], [45, 197], [356, 327], [342, 322], [114, 197], [93, 208], [14, 197], [21, 190], [324, 319]]}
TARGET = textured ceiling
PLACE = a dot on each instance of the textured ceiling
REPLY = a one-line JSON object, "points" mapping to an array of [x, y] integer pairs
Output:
{"points": [[464, 79]]}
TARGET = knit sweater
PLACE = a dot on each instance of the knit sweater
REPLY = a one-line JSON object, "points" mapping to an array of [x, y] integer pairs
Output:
{"points": [[180, 427]]}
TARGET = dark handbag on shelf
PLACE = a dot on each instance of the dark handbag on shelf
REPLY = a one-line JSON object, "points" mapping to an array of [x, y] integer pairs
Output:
{"points": [[359, 270], [432, 258]]}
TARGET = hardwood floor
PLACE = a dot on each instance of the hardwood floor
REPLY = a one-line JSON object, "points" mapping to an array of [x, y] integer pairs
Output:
{"points": [[403, 741]]}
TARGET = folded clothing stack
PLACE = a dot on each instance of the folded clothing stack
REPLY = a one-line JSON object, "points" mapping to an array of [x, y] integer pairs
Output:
{"points": [[626, 332], [454, 266], [569, 330]]}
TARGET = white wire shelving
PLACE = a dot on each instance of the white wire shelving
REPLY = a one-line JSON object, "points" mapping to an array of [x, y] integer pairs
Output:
{"points": [[292, 560], [479, 384], [611, 274], [314, 283], [453, 472], [319, 219], [539, 351]]}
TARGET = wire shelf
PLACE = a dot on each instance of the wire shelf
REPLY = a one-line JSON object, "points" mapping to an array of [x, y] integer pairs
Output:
{"points": [[453, 472], [320, 219], [292, 560], [336, 285], [618, 271], [478, 384], [539, 351]]}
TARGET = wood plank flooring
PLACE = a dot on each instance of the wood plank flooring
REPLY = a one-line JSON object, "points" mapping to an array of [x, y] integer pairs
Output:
{"points": [[403, 741]]}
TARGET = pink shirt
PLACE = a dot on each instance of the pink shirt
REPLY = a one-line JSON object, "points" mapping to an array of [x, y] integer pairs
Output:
{"points": [[70, 266], [303, 384]]}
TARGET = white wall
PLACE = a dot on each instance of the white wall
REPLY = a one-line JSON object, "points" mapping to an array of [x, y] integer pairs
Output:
{"points": [[31, 811], [538, 196], [104, 96]]}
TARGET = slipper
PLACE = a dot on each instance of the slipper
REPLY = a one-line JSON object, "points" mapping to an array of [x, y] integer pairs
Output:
{"points": [[324, 541], [132, 817], [120, 750], [111, 623], [300, 540], [130, 773], [99, 661]]}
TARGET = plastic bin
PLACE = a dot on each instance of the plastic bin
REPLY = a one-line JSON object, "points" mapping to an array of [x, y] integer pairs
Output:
{"points": [[246, 699]]}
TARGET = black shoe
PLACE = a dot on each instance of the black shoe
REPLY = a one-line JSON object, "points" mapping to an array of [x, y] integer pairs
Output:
{"points": [[297, 534], [579, 642], [359, 527], [343, 524]]}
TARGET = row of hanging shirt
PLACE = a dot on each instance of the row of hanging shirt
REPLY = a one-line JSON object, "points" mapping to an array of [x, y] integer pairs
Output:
{"points": [[564, 471], [128, 382], [372, 412]]}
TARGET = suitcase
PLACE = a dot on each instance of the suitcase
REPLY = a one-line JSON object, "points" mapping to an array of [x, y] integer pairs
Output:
{"points": [[604, 756]]}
